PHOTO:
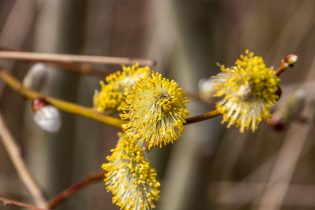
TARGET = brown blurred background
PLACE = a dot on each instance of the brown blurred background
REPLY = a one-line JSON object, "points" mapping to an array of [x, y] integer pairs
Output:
{"points": [[210, 167]]}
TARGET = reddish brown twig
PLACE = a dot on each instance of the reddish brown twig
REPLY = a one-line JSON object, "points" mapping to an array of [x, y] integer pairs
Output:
{"points": [[9, 202], [58, 199]]}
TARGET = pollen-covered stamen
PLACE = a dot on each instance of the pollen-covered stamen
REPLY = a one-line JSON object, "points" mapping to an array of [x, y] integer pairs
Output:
{"points": [[155, 111], [244, 93], [130, 178], [117, 86], [249, 89]]}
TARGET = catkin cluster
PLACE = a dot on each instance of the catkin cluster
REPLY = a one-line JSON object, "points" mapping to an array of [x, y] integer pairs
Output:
{"points": [[154, 110]]}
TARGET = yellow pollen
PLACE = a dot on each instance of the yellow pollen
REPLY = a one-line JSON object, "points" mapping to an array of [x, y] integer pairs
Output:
{"points": [[117, 86], [129, 177], [155, 109], [248, 90]]}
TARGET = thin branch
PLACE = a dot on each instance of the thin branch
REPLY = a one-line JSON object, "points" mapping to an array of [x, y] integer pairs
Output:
{"points": [[54, 202], [81, 110], [81, 68], [15, 155], [62, 58], [202, 117], [9, 202], [281, 69], [60, 104]]}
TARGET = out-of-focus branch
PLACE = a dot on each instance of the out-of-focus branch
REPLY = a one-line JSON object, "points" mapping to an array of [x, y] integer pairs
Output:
{"points": [[196, 97], [10, 202], [284, 167], [62, 58], [82, 68], [58, 199], [14, 154], [240, 193], [60, 104]]}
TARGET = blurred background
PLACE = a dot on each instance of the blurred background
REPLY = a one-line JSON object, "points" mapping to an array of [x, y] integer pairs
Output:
{"points": [[211, 167]]}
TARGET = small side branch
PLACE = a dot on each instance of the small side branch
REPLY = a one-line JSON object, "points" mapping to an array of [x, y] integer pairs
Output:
{"points": [[60, 104], [14, 84], [54, 202], [14, 154], [202, 117], [9, 202], [281, 69]]}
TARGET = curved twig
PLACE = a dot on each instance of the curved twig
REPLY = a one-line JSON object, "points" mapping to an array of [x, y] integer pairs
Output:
{"points": [[15, 156], [58, 199], [9, 202]]}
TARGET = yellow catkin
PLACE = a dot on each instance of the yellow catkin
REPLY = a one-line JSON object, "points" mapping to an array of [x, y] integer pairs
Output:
{"points": [[117, 86], [155, 111], [248, 89], [129, 177]]}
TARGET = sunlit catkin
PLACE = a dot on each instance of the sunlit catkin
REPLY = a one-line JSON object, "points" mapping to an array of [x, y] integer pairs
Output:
{"points": [[117, 86], [155, 111], [248, 89], [130, 178]]}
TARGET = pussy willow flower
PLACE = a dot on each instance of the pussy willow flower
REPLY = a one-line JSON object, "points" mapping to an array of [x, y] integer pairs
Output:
{"points": [[129, 177], [116, 87], [155, 111], [249, 89]]}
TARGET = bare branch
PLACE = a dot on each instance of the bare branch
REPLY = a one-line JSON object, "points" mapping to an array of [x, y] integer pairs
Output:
{"points": [[67, 59], [10, 202], [60, 104], [58, 199], [14, 154]]}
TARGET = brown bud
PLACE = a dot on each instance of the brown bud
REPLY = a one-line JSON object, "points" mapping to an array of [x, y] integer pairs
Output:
{"points": [[290, 59]]}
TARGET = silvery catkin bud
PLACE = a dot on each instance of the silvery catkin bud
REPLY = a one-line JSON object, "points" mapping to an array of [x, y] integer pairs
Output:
{"points": [[290, 109], [47, 117], [36, 77], [206, 89]]}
